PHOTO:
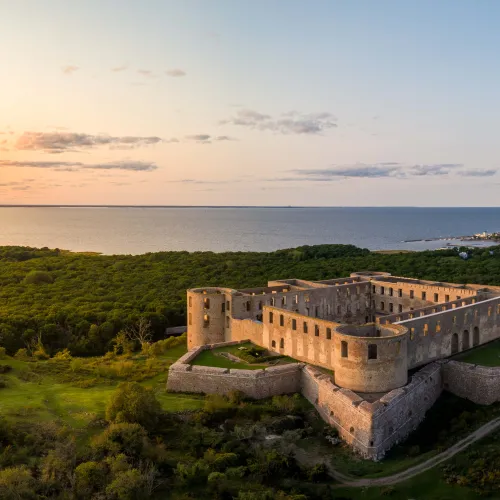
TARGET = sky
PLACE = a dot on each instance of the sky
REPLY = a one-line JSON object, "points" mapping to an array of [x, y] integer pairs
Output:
{"points": [[250, 102]]}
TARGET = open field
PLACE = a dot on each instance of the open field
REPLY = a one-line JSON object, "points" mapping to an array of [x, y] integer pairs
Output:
{"points": [[211, 358], [487, 355], [34, 391]]}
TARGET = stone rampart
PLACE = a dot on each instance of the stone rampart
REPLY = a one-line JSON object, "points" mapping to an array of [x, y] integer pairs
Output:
{"points": [[257, 384], [373, 428], [479, 384]]}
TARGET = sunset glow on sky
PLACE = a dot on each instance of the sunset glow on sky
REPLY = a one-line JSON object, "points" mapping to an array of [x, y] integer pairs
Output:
{"points": [[250, 102]]}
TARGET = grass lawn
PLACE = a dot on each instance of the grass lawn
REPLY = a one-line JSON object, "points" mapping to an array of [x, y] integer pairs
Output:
{"points": [[486, 355], [210, 358], [43, 398]]}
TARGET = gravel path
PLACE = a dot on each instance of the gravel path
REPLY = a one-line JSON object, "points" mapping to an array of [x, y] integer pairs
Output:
{"points": [[346, 480]]}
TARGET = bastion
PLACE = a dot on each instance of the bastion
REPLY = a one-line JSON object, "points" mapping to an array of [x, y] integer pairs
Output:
{"points": [[385, 342]]}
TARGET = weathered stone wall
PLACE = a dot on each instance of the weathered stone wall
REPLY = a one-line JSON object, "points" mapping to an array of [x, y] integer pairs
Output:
{"points": [[400, 411], [437, 336], [257, 384], [373, 428], [341, 408], [394, 295], [480, 384], [370, 363]]}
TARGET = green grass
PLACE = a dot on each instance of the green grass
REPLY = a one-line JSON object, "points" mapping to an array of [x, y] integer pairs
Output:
{"points": [[210, 358], [42, 397], [487, 355]]}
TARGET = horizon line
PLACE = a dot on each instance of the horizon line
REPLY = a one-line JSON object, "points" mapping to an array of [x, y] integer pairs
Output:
{"points": [[67, 205]]}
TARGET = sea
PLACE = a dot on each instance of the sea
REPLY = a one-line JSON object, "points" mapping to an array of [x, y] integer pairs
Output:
{"points": [[138, 230]]}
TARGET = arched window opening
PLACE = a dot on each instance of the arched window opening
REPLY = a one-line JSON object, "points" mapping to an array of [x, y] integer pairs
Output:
{"points": [[475, 336], [206, 303], [454, 343], [465, 340], [372, 351], [344, 351], [273, 343], [206, 320], [282, 320]]}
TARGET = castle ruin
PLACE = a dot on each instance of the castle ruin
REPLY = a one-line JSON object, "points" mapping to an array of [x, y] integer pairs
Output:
{"points": [[385, 338]]}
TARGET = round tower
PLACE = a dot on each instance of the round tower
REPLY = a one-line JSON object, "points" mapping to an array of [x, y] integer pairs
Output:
{"points": [[371, 358], [206, 316]]}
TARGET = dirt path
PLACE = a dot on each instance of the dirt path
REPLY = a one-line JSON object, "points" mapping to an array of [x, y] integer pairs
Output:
{"points": [[415, 470]]}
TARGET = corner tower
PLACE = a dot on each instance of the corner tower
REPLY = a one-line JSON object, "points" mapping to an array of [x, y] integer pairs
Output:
{"points": [[206, 316], [371, 358]]}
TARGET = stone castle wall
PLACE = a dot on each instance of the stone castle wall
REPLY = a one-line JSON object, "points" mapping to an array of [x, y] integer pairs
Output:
{"points": [[439, 335], [479, 384], [373, 428], [257, 384]]}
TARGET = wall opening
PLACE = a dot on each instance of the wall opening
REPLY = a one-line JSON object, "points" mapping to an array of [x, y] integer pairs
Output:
{"points": [[412, 294], [223, 307], [228, 306], [206, 320], [344, 350], [273, 343], [305, 327], [382, 290], [400, 308], [391, 307], [372, 351], [382, 306], [424, 295], [190, 319], [400, 292], [328, 333], [260, 305], [271, 317], [190, 301], [316, 311], [294, 324], [283, 301], [465, 340], [227, 321], [475, 336], [454, 343], [206, 303], [316, 330], [282, 320], [391, 291], [282, 344], [367, 319], [446, 298], [351, 430]]}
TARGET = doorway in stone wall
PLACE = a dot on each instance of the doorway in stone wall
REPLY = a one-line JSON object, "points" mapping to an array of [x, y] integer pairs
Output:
{"points": [[454, 343], [475, 336], [465, 340]]}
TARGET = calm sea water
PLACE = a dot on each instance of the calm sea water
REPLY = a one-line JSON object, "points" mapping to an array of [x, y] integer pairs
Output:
{"points": [[141, 230]]}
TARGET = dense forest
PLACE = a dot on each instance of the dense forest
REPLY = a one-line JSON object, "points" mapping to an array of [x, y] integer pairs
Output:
{"points": [[82, 301]]}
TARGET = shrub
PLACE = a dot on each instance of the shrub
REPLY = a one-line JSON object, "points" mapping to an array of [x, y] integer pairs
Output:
{"points": [[16, 483], [120, 438], [318, 473], [5, 368], [38, 278], [3, 383], [76, 364], [90, 477], [3, 353], [133, 403], [63, 355], [22, 354], [127, 485]]}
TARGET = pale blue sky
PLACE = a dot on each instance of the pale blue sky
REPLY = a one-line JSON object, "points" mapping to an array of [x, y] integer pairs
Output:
{"points": [[263, 102]]}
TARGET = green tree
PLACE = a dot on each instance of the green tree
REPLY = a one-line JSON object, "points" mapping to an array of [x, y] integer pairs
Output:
{"points": [[90, 477], [16, 483], [133, 403], [125, 438], [127, 485]]}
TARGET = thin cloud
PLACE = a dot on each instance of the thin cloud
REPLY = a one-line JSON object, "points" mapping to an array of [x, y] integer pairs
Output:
{"points": [[117, 69], [478, 173], [291, 122], [68, 166], [146, 73], [208, 139], [372, 171], [60, 142], [69, 69], [175, 73]]}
